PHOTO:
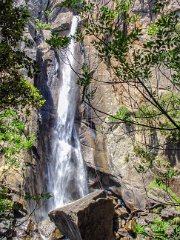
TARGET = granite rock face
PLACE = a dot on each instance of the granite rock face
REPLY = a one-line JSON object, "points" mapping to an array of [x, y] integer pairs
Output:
{"points": [[107, 150], [48, 82], [88, 218], [33, 177]]}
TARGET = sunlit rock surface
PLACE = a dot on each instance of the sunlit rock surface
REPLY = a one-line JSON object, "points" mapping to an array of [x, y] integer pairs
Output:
{"points": [[88, 218], [106, 149]]}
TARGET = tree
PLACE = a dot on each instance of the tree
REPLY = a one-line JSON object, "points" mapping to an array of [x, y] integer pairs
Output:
{"points": [[15, 91], [18, 96], [133, 56]]}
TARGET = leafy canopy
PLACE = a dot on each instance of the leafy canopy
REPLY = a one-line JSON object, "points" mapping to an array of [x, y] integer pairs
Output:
{"points": [[17, 96], [134, 54], [14, 90]]}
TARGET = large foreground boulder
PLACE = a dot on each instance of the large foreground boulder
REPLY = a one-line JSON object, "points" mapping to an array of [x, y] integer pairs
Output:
{"points": [[85, 219]]}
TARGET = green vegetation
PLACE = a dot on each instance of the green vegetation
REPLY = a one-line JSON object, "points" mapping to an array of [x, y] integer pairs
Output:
{"points": [[58, 41], [40, 25], [86, 76], [18, 96], [123, 114], [158, 230], [15, 91], [13, 139], [5, 204], [161, 183], [144, 61], [47, 13], [115, 36], [132, 54], [146, 155], [37, 197], [74, 5]]}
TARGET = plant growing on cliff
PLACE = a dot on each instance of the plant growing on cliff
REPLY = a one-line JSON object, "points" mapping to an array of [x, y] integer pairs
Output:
{"points": [[13, 139], [143, 62], [40, 25], [123, 114], [117, 37], [18, 96], [158, 230], [56, 41], [15, 91]]}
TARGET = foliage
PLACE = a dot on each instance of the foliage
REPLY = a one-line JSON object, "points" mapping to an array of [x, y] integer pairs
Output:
{"points": [[5, 204], [149, 115], [115, 36], [12, 22], [146, 155], [47, 13], [14, 90], [163, 177], [40, 25], [159, 230], [79, 37], [123, 114], [18, 97], [140, 229], [74, 5], [58, 41], [25, 94], [86, 76], [13, 142], [145, 64], [161, 183], [12, 138], [42, 196]]}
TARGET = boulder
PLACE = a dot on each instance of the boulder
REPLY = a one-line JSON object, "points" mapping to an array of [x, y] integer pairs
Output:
{"points": [[134, 198], [169, 213], [88, 218]]}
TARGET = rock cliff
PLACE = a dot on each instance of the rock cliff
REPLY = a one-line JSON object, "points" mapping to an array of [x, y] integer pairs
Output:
{"points": [[107, 150]]}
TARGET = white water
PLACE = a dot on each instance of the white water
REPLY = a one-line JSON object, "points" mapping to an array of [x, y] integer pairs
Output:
{"points": [[66, 171]]}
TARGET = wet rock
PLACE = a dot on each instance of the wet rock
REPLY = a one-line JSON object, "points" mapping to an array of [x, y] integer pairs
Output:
{"points": [[49, 231], [27, 230], [88, 218]]}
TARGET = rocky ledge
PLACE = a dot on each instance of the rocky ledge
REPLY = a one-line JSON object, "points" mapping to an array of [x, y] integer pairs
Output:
{"points": [[88, 218], [102, 215]]}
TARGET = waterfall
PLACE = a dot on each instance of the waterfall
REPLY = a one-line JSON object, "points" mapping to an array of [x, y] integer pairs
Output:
{"points": [[66, 172]]}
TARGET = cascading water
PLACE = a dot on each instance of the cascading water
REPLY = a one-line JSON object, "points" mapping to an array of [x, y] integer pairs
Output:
{"points": [[66, 171]]}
